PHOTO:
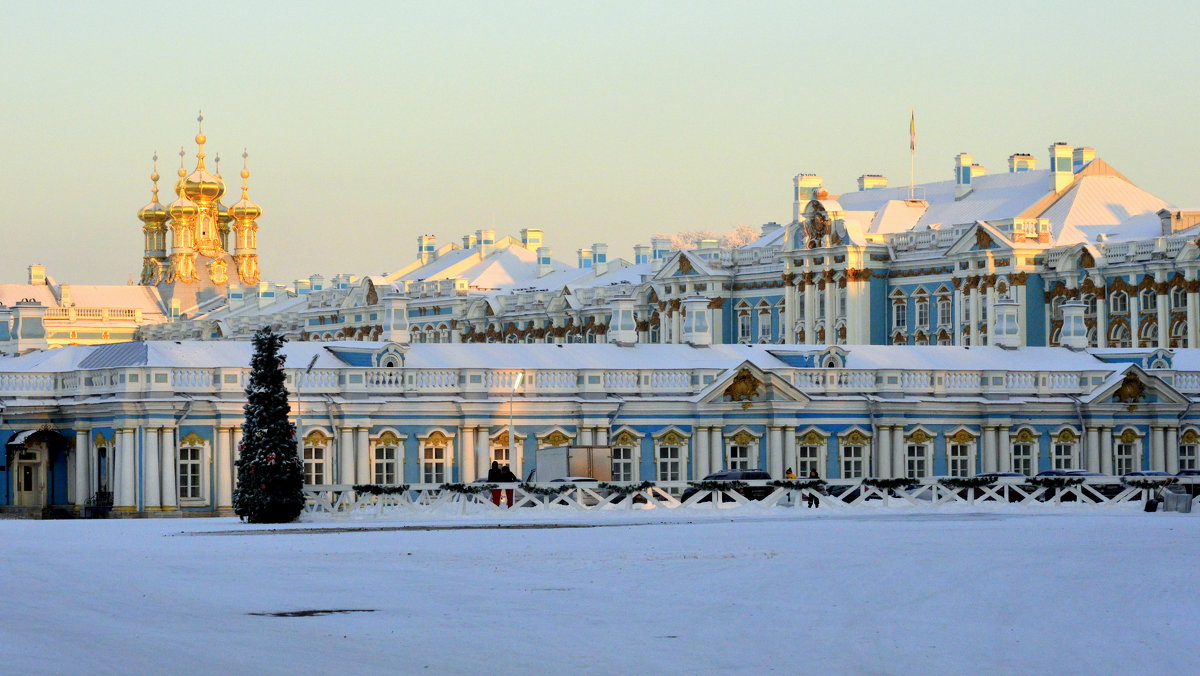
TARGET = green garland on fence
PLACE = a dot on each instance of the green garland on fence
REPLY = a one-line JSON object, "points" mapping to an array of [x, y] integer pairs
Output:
{"points": [[714, 485], [1055, 481], [468, 489], [797, 485], [547, 491], [378, 489], [1150, 484], [622, 489], [967, 481], [887, 484]]}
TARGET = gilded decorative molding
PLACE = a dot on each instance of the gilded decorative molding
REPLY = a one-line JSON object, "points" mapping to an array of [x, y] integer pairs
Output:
{"points": [[1066, 436], [919, 436], [813, 438], [388, 438], [436, 438], [555, 438], [316, 438], [625, 438], [743, 438], [856, 438], [961, 437], [743, 387], [672, 438], [192, 440], [1129, 436], [1024, 436]]}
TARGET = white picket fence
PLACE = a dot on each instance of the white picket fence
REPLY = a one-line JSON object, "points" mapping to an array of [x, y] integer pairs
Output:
{"points": [[344, 501]]}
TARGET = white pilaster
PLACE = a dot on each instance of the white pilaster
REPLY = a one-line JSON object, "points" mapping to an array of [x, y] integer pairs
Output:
{"points": [[1093, 450], [1172, 450], [716, 449], [470, 464], [585, 436], [1106, 450], [126, 498], [703, 455], [483, 452], [169, 457], [789, 449], [899, 467], [1158, 460], [883, 436]]}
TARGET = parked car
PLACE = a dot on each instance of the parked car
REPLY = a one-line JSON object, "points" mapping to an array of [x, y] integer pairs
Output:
{"points": [[850, 493], [1146, 473], [1111, 489], [1013, 496], [749, 492]]}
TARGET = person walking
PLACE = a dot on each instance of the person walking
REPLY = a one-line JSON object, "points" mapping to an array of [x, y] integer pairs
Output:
{"points": [[789, 474], [495, 476], [811, 498], [507, 476]]}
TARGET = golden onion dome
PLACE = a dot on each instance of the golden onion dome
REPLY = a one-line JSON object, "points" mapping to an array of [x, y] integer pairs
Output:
{"points": [[183, 209], [154, 213], [201, 186], [244, 210], [223, 217]]}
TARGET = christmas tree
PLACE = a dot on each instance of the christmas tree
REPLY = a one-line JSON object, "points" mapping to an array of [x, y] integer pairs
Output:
{"points": [[270, 472]]}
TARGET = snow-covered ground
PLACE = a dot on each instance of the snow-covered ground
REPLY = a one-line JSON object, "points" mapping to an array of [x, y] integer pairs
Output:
{"points": [[973, 590]]}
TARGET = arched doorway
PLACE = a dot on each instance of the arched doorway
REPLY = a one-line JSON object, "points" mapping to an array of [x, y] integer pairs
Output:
{"points": [[38, 468]]}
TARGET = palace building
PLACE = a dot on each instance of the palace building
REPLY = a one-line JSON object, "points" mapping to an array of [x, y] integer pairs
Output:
{"points": [[1034, 319], [934, 265]]}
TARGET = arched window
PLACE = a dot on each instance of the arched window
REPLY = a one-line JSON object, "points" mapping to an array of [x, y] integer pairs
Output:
{"points": [[435, 452], [1149, 334], [316, 447], [743, 326], [1148, 300], [1178, 298], [945, 316], [1118, 302], [1119, 336], [899, 315]]}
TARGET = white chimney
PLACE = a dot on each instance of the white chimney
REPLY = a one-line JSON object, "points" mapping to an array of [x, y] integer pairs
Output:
{"points": [[660, 248], [805, 187], [37, 274], [531, 238], [1021, 162], [584, 258], [600, 258], [872, 182], [29, 329], [426, 248], [1081, 157], [1061, 169], [545, 264], [641, 254], [468, 241], [486, 240], [962, 175]]}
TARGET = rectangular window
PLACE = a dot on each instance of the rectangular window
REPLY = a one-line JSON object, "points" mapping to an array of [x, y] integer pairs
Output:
{"points": [[385, 465], [808, 458], [958, 460], [1187, 456], [433, 464], [915, 465], [744, 326], [923, 314], [669, 463], [842, 302], [189, 473], [853, 466], [764, 327], [314, 465], [1124, 456], [943, 311], [739, 457], [622, 464], [1022, 459], [899, 316], [1064, 456]]}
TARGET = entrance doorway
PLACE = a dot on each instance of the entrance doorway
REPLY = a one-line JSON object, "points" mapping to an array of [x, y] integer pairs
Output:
{"points": [[29, 478]]}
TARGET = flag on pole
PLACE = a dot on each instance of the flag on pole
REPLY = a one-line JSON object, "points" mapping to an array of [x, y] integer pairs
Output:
{"points": [[912, 131]]}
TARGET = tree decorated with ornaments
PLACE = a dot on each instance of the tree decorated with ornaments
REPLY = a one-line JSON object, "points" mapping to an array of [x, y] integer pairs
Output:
{"points": [[270, 472]]}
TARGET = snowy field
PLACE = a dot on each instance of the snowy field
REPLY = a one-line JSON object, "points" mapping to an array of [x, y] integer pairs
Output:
{"points": [[1070, 590]]}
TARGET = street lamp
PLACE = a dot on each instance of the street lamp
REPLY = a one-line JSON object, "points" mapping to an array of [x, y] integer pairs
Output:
{"points": [[512, 433]]}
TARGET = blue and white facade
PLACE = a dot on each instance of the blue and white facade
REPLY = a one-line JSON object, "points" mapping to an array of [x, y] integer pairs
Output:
{"points": [[157, 424], [930, 265]]}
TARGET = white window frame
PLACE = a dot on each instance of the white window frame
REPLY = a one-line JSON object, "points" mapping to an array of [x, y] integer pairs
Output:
{"points": [[916, 460], [899, 315], [852, 459], [958, 459], [1125, 457], [434, 461], [808, 458], [945, 312], [739, 456], [1063, 454], [316, 463], [764, 325], [669, 462], [1189, 455], [624, 463], [383, 456], [197, 464], [923, 313], [1023, 457], [1118, 302], [743, 326]]}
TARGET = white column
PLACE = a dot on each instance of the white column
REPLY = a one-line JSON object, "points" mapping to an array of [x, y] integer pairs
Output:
{"points": [[169, 454], [585, 436], [1164, 322], [1093, 450], [789, 449], [883, 436], [601, 436], [702, 452], [151, 473], [989, 449], [810, 313], [517, 446], [483, 451], [223, 468], [775, 452], [362, 449], [126, 499], [470, 464], [1172, 450], [83, 473], [1158, 460], [1193, 317], [716, 449], [1102, 318], [345, 452], [899, 467], [1106, 459], [974, 316]]}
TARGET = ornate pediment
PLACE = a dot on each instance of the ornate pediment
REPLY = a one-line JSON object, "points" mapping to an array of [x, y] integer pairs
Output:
{"points": [[192, 440], [673, 438], [1024, 436], [555, 438], [743, 387], [743, 438], [856, 438], [920, 436], [812, 438], [625, 438], [388, 438], [1066, 436], [1132, 389], [1129, 436], [316, 438], [959, 437], [1189, 437]]}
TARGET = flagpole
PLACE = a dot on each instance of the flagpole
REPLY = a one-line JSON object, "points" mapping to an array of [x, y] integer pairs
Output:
{"points": [[912, 153]]}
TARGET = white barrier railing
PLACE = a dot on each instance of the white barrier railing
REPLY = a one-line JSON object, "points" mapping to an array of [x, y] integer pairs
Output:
{"points": [[344, 500]]}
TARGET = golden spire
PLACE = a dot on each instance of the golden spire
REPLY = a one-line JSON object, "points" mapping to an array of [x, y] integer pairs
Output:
{"points": [[200, 139], [217, 165], [245, 172], [182, 169], [154, 177]]}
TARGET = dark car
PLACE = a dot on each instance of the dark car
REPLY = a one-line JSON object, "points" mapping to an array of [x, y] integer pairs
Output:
{"points": [[1108, 490], [850, 493], [749, 492], [1146, 473], [995, 477]]}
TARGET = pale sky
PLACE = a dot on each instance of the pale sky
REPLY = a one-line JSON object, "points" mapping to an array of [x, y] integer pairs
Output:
{"points": [[371, 123]]}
